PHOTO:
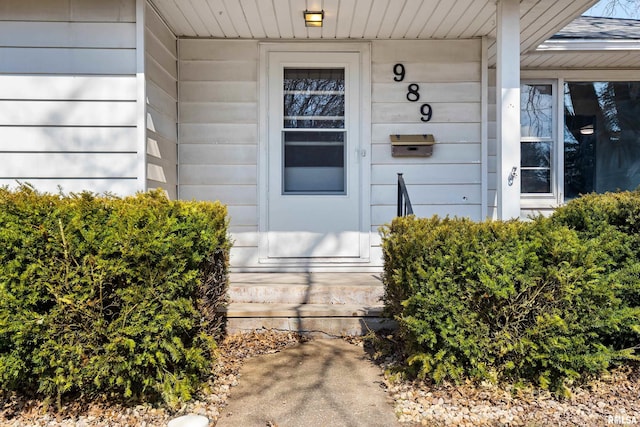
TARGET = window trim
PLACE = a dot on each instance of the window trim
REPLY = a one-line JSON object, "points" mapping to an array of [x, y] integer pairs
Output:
{"points": [[551, 199], [609, 76], [559, 78], [560, 144]]}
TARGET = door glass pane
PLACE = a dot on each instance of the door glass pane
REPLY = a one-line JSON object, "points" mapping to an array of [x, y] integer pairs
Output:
{"points": [[601, 137], [314, 162], [312, 138], [314, 98]]}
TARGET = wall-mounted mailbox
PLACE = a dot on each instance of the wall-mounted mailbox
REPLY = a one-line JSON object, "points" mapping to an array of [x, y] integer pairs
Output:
{"points": [[412, 145]]}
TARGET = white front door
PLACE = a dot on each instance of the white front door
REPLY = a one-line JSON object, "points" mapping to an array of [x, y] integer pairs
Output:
{"points": [[314, 157]]}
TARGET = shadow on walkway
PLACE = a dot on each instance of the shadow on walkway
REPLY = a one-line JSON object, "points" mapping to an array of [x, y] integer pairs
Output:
{"points": [[318, 383]]}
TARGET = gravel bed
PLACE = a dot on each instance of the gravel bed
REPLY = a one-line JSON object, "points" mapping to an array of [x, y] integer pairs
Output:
{"points": [[233, 350], [614, 400], [611, 400]]}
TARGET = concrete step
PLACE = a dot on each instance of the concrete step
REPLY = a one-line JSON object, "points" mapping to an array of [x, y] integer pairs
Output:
{"points": [[320, 320], [303, 294], [300, 310], [307, 288], [320, 304]]}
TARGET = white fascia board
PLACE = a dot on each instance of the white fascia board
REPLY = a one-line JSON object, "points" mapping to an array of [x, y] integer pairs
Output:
{"points": [[588, 45]]}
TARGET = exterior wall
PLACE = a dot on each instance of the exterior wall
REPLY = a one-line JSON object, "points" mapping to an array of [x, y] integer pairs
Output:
{"points": [[218, 133], [68, 91], [161, 72], [449, 78], [544, 207], [219, 125]]}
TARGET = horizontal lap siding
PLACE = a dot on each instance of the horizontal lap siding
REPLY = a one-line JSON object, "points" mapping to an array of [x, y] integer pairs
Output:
{"points": [[68, 95], [449, 79], [218, 132], [162, 104]]}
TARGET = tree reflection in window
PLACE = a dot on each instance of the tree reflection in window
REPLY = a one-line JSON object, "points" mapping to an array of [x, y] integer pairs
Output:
{"points": [[314, 134], [601, 137], [314, 98], [536, 121]]}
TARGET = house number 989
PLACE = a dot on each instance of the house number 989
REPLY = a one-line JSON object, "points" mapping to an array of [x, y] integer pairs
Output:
{"points": [[413, 92]]}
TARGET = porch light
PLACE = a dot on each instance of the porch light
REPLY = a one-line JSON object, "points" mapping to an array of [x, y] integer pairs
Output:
{"points": [[313, 18]]}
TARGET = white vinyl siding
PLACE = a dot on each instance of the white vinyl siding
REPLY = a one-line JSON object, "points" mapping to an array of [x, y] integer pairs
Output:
{"points": [[219, 130], [449, 77], [162, 108], [218, 133], [68, 95]]}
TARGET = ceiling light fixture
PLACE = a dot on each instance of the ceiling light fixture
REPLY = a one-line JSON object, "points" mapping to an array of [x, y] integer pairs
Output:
{"points": [[313, 18], [587, 130]]}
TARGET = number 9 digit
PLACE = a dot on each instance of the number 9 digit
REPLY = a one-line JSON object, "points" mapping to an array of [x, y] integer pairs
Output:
{"points": [[427, 112], [399, 72]]}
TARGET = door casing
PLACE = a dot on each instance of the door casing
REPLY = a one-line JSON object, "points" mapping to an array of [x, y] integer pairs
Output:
{"points": [[363, 155]]}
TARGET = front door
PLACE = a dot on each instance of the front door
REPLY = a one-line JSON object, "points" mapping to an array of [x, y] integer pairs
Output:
{"points": [[314, 157]]}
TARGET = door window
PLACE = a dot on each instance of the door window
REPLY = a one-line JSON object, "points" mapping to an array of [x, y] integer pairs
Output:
{"points": [[313, 135]]}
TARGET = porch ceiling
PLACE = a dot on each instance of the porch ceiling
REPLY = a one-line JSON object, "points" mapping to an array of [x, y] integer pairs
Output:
{"points": [[363, 19]]}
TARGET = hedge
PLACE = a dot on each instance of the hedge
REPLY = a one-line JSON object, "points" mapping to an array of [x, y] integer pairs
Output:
{"points": [[543, 302], [109, 296]]}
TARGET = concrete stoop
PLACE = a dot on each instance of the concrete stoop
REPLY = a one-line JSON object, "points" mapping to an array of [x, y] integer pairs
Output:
{"points": [[318, 304]]}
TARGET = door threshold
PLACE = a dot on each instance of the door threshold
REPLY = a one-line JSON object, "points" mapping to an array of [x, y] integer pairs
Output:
{"points": [[315, 261], [309, 268]]}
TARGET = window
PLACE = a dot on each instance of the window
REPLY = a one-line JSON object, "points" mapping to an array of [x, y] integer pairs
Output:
{"points": [[313, 137], [598, 151], [536, 138], [601, 137]]}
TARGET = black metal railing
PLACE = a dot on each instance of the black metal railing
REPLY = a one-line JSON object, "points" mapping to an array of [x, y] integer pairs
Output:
{"points": [[404, 204]]}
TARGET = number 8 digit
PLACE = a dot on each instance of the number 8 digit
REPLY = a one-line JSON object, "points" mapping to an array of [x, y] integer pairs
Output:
{"points": [[413, 95]]}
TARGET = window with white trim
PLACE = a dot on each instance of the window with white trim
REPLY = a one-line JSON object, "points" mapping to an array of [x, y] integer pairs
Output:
{"points": [[601, 137], [599, 149], [537, 138]]}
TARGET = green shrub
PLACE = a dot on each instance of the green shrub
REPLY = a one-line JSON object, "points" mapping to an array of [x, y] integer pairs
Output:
{"points": [[518, 301], [102, 295], [611, 221]]}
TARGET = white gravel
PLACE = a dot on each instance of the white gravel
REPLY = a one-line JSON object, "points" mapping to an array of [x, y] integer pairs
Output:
{"points": [[612, 400]]}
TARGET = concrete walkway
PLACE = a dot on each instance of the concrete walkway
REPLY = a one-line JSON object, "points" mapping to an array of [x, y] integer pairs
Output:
{"points": [[318, 383]]}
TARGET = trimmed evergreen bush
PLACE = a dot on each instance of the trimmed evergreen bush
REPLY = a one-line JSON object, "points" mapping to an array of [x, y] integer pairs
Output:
{"points": [[611, 222], [538, 302], [107, 295]]}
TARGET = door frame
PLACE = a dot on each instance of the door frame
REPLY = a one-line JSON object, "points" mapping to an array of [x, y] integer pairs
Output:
{"points": [[364, 51]]}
